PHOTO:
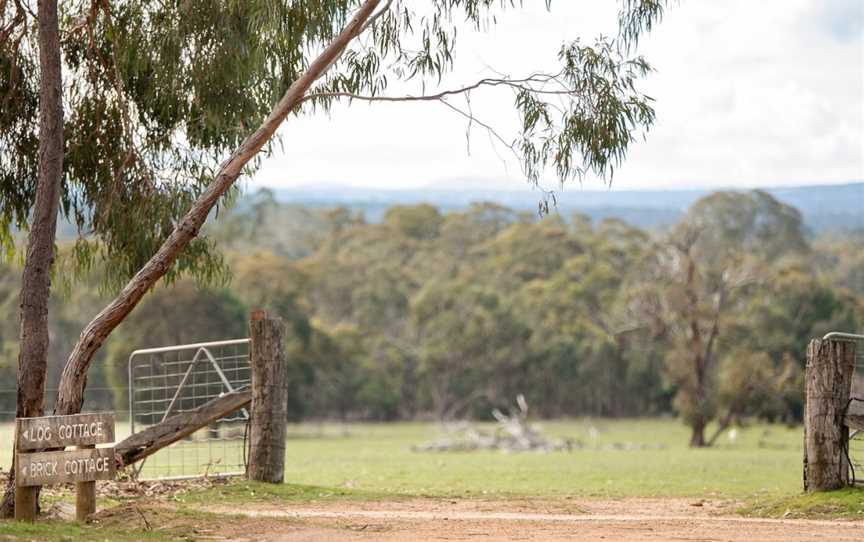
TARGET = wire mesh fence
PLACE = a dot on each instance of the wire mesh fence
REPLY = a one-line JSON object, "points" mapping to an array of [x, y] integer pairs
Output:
{"points": [[171, 380], [856, 438]]}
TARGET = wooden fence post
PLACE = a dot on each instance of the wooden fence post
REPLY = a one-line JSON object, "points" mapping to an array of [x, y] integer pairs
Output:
{"points": [[827, 386], [269, 399]]}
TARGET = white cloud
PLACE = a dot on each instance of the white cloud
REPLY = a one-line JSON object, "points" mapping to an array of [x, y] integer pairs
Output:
{"points": [[748, 94]]}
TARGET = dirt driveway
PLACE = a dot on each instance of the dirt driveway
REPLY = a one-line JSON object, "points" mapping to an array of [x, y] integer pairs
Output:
{"points": [[588, 520]]}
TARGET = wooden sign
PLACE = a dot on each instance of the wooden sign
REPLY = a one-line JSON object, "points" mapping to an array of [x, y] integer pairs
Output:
{"points": [[82, 466], [44, 468], [63, 431]]}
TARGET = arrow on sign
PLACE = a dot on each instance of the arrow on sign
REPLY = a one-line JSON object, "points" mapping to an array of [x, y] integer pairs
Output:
{"points": [[23, 470], [25, 434]]}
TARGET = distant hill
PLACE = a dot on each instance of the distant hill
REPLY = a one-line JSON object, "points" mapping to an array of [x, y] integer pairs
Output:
{"points": [[825, 208]]}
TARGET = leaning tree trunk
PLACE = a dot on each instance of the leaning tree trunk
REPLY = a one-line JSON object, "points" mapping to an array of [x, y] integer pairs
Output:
{"points": [[74, 378], [827, 386], [36, 278]]}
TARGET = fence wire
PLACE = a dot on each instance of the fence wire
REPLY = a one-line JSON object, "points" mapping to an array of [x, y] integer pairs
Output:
{"points": [[856, 438], [171, 380]]}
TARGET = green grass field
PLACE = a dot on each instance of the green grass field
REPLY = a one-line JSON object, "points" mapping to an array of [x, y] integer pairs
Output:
{"points": [[378, 458], [763, 460]]}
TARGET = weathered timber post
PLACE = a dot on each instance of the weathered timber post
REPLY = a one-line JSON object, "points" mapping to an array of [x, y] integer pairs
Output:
{"points": [[85, 495], [269, 399], [26, 498], [26, 503], [827, 386]]}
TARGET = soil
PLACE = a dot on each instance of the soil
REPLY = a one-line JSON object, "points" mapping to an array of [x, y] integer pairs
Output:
{"points": [[583, 520]]}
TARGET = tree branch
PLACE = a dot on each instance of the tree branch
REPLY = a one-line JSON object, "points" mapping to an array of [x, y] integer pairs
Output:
{"points": [[375, 17], [519, 84], [722, 425], [74, 378], [471, 118], [17, 20], [522, 84]]}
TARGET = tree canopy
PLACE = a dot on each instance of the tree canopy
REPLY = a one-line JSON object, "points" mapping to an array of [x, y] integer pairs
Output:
{"points": [[156, 95]]}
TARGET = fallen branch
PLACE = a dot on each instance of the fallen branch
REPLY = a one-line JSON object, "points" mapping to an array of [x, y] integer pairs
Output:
{"points": [[513, 434]]}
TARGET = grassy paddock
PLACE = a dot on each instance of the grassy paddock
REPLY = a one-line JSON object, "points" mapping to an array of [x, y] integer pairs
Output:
{"points": [[376, 459]]}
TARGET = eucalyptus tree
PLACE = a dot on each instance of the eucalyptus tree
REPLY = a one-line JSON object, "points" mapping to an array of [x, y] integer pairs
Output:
{"points": [[161, 107], [690, 288], [470, 346]]}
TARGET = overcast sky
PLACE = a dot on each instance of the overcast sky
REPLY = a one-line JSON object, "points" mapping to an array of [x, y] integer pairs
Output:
{"points": [[748, 93]]}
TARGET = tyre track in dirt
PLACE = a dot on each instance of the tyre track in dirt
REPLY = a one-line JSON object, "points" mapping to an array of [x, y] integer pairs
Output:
{"points": [[653, 520]]}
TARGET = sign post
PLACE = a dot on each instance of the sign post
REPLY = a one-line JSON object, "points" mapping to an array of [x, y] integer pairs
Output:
{"points": [[82, 466], [85, 492]]}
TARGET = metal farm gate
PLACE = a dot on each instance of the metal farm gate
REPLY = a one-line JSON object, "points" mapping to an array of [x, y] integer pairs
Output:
{"points": [[856, 438], [174, 379]]}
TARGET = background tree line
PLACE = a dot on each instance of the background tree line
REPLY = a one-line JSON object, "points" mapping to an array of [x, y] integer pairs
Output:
{"points": [[425, 314]]}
